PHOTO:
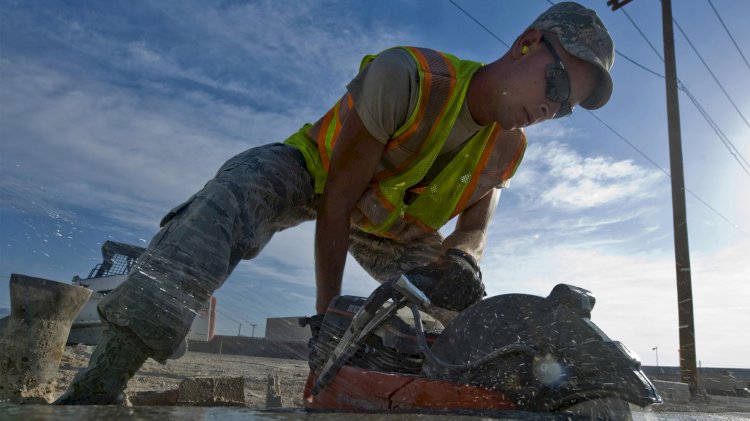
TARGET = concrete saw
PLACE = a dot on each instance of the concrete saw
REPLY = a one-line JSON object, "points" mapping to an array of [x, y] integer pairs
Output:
{"points": [[512, 352]]}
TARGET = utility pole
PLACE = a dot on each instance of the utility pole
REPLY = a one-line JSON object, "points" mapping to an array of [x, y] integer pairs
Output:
{"points": [[656, 349], [688, 372], [239, 329]]}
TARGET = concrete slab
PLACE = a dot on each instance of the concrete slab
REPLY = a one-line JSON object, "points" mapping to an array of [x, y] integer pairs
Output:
{"points": [[212, 391], [673, 391], [154, 398], [273, 392], [33, 340]]}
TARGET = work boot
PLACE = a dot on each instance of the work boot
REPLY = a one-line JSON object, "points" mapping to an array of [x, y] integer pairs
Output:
{"points": [[114, 361]]}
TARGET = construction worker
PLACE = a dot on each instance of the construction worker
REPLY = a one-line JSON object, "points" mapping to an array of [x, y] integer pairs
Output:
{"points": [[419, 138]]}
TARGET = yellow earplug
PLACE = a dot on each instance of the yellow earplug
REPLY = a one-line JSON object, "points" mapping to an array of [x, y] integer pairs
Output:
{"points": [[524, 49]]}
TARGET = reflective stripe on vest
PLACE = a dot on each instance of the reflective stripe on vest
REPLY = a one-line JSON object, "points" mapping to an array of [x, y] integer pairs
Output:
{"points": [[485, 161]]}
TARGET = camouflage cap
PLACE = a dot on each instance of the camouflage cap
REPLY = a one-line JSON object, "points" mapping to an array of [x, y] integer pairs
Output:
{"points": [[582, 34]]}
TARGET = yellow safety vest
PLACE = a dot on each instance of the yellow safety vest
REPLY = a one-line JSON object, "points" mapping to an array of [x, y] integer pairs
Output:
{"points": [[485, 161]]}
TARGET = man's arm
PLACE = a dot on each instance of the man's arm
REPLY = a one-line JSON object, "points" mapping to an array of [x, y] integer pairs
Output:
{"points": [[470, 234], [353, 164]]}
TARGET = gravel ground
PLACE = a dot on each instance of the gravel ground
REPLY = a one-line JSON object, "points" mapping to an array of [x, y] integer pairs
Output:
{"points": [[154, 377]]}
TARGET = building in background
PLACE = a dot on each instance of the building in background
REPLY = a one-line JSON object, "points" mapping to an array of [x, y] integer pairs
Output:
{"points": [[286, 329]]}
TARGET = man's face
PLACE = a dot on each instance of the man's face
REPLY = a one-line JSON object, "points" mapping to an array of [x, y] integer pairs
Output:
{"points": [[524, 98]]}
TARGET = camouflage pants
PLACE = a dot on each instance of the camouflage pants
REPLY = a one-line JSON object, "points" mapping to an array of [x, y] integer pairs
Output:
{"points": [[255, 194]]}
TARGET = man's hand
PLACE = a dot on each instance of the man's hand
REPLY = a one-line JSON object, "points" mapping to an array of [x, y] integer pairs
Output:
{"points": [[453, 282]]}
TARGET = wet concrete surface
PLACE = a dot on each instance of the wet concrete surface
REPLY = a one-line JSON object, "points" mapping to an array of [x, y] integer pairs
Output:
{"points": [[110, 413]]}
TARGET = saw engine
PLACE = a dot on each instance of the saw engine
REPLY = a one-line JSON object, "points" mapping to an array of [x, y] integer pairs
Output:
{"points": [[512, 351], [392, 347]]}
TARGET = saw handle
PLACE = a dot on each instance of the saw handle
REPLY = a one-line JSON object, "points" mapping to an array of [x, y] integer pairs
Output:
{"points": [[413, 294]]}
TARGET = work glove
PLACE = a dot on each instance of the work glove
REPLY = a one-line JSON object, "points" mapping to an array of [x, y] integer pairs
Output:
{"points": [[453, 282], [314, 351]]}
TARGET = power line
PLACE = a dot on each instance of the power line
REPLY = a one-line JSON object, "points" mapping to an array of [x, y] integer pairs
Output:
{"points": [[655, 73], [637, 28], [711, 72], [479, 23], [621, 137], [552, 3], [729, 33], [735, 226], [640, 65], [729, 145], [715, 127], [719, 214]]}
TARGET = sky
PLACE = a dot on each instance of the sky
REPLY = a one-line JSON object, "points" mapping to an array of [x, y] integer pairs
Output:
{"points": [[113, 113]]}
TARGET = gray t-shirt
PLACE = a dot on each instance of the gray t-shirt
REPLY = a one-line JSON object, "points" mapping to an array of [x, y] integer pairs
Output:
{"points": [[385, 93]]}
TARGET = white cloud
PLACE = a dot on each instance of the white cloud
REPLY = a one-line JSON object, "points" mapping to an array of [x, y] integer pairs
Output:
{"points": [[552, 130], [132, 145], [636, 295], [130, 156], [568, 181], [261, 55], [124, 126]]}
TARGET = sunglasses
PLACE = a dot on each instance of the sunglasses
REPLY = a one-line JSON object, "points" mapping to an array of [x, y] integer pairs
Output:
{"points": [[558, 83]]}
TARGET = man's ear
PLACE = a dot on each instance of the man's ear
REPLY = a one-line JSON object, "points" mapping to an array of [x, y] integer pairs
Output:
{"points": [[529, 40]]}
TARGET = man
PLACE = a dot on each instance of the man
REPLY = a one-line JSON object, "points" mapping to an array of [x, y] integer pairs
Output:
{"points": [[419, 137]]}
